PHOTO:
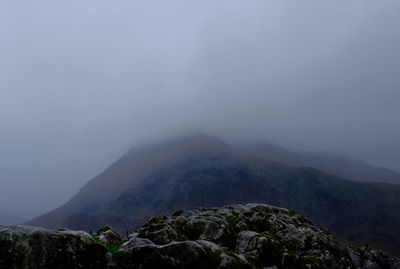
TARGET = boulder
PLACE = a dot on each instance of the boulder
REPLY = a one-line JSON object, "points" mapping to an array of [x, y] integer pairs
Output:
{"points": [[31, 247], [109, 237]]}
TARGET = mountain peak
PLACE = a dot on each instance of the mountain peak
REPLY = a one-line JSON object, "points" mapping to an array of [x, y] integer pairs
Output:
{"points": [[194, 143]]}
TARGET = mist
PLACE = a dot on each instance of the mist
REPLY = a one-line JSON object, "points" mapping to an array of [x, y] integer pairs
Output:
{"points": [[82, 82]]}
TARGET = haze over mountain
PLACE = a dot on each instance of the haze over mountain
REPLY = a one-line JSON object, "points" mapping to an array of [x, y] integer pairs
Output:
{"points": [[203, 171], [82, 81], [7, 219]]}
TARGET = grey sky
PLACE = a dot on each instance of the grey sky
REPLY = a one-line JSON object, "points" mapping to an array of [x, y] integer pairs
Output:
{"points": [[83, 81]]}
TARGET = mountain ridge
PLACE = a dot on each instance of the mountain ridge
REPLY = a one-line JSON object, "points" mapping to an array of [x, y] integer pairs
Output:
{"points": [[341, 166]]}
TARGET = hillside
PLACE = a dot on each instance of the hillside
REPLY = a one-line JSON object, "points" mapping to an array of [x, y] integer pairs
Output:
{"points": [[340, 166], [200, 171]]}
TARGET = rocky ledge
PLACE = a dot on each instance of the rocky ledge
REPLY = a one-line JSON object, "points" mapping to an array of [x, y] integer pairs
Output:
{"points": [[239, 236]]}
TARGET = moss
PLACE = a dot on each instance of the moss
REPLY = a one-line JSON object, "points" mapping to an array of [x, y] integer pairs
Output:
{"points": [[215, 258], [293, 213], [270, 235], [114, 249], [70, 248], [142, 234], [292, 253], [228, 252], [232, 220], [96, 238]]}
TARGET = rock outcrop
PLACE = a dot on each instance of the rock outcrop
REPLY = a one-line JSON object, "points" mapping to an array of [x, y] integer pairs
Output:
{"points": [[243, 236], [31, 247], [239, 236]]}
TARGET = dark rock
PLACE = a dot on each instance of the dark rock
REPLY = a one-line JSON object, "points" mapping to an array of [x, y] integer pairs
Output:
{"points": [[135, 241], [30, 247], [243, 236], [366, 258]]}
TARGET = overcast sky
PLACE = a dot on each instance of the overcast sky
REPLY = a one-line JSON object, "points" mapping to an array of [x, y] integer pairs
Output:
{"points": [[81, 82]]}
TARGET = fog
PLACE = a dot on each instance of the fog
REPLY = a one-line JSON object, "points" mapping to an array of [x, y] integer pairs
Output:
{"points": [[81, 82]]}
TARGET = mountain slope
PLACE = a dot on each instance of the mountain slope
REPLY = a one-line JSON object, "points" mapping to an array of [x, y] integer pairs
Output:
{"points": [[201, 171], [343, 167]]}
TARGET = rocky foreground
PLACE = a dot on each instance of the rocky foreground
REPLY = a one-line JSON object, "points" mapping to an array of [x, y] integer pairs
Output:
{"points": [[239, 236]]}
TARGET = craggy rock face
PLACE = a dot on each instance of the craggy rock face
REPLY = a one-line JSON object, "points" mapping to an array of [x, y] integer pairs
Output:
{"points": [[233, 237], [242, 236], [30, 247]]}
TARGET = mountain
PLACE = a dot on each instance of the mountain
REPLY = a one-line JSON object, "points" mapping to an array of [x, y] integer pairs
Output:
{"points": [[130, 170], [340, 166], [7, 219], [235, 236], [201, 171]]}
